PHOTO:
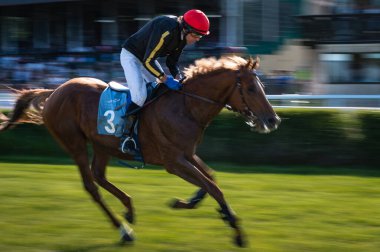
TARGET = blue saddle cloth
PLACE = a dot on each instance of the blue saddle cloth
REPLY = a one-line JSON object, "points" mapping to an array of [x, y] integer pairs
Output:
{"points": [[112, 118], [113, 104]]}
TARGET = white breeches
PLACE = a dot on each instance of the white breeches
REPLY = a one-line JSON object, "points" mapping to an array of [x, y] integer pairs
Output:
{"points": [[136, 75]]}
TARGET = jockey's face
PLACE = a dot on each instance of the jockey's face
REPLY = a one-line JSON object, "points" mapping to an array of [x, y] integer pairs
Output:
{"points": [[191, 38]]}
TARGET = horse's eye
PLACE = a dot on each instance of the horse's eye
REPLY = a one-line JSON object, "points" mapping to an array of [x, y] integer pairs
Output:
{"points": [[251, 89]]}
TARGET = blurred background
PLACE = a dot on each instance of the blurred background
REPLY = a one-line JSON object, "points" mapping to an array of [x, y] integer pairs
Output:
{"points": [[306, 46], [314, 54], [311, 185]]}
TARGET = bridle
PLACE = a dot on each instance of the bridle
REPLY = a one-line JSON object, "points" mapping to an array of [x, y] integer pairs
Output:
{"points": [[246, 111]]}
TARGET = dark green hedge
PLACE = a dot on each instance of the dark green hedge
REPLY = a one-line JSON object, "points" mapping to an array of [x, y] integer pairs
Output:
{"points": [[29, 140], [305, 137]]}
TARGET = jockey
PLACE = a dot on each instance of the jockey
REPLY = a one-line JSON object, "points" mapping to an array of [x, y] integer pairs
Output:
{"points": [[163, 36]]}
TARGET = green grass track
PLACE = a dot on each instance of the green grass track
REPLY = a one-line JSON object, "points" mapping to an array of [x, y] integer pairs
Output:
{"points": [[45, 208]]}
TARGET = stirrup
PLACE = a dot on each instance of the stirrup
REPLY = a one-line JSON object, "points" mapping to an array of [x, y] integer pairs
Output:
{"points": [[129, 146]]}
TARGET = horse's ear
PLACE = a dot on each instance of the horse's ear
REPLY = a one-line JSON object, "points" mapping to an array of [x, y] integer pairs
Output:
{"points": [[250, 63], [256, 63], [253, 63]]}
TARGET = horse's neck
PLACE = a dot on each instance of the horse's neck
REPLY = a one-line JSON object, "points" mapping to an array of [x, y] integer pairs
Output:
{"points": [[216, 88]]}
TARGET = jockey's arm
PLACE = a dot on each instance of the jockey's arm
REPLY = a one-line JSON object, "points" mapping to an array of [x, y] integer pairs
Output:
{"points": [[156, 43], [172, 64], [153, 51]]}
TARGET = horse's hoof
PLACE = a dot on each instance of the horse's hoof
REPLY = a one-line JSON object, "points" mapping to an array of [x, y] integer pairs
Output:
{"points": [[239, 241], [127, 239], [180, 204], [126, 234], [129, 217]]}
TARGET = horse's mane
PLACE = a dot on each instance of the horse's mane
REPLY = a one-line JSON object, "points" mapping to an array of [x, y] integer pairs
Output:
{"points": [[207, 65]]}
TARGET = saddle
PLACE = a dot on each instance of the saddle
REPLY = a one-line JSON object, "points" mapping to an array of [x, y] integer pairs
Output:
{"points": [[112, 117]]}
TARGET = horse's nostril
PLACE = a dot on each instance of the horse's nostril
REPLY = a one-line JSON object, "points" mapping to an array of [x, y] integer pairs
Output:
{"points": [[273, 121]]}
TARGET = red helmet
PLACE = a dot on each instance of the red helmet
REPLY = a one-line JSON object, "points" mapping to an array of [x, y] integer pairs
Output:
{"points": [[196, 21]]}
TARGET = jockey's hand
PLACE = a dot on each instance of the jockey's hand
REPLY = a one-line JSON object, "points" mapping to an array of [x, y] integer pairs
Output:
{"points": [[173, 83], [179, 76]]}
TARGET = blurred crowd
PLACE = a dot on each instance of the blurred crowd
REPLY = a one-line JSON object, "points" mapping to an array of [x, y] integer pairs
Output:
{"points": [[28, 72]]}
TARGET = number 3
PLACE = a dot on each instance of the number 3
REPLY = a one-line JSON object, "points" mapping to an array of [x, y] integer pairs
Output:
{"points": [[111, 128]]}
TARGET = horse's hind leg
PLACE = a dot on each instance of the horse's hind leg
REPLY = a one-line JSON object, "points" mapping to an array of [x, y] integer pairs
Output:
{"points": [[88, 182], [91, 188], [99, 165], [77, 148], [200, 194]]}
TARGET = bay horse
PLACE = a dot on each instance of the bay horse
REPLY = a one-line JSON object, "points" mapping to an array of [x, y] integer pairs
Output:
{"points": [[170, 128]]}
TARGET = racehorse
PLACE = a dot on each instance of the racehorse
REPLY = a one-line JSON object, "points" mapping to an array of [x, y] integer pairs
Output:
{"points": [[170, 128]]}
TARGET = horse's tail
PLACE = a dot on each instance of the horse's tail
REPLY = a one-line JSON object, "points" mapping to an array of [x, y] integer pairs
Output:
{"points": [[28, 108]]}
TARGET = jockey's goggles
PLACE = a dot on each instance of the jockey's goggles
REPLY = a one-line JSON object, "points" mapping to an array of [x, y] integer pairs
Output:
{"points": [[196, 35]]}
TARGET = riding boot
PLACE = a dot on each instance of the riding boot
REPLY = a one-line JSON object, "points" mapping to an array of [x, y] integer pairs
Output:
{"points": [[132, 110], [128, 144]]}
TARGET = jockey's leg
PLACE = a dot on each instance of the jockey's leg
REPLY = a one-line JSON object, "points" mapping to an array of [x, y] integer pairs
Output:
{"points": [[131, 112], [133, 73], [127, 143], [132, 109]]}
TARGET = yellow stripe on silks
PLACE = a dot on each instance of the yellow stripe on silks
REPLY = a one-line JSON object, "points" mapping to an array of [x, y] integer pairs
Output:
{"points": [[158, 46]]}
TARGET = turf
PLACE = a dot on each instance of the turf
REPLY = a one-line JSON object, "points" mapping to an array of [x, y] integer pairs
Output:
{"points": [[45, 208]]}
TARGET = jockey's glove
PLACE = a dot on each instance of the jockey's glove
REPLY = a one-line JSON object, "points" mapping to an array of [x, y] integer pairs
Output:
{"points": [[173, 83]]}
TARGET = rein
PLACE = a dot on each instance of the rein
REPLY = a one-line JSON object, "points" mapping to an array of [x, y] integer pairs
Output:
{"points": [[199, 97], [147, 103]]}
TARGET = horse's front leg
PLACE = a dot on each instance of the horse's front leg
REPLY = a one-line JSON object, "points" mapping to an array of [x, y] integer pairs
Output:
{"points": [[190, 203], [200, 194], [178, 165]]}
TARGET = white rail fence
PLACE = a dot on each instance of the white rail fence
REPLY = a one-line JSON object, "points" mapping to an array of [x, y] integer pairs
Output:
{"points": [[7, 100], [326, 101]]}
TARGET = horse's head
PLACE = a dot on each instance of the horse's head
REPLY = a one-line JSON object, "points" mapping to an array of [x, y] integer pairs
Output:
{"points": [[249, 100]]}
